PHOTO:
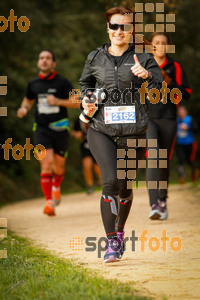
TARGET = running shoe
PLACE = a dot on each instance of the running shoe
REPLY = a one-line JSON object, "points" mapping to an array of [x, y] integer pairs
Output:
{"points": [[56, 195], [182, 180], [120, 238], [163, 209], [154, 212], [159, 211], [49, 208], [90, 190], [112, 253]]}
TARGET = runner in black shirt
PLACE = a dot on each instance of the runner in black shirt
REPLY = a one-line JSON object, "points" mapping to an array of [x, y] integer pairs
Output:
{"points": [[88, 162], [50, 93]]}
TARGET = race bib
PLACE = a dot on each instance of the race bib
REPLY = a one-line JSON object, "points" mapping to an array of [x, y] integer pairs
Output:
{"points": [[182, 133], [44, 107], [119, 114]]}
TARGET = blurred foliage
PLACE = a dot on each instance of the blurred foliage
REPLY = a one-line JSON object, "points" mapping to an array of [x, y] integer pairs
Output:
{"points": [[71, 29]]}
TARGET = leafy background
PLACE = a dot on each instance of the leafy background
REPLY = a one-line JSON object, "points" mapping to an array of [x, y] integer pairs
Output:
{"points": [[72, 29]]}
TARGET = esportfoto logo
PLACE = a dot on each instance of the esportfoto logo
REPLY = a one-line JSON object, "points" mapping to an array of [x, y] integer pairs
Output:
{"points": [[153, 243], [23, 23]]}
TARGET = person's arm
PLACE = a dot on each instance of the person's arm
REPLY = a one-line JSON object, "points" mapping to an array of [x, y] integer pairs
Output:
{"points": [[155, 71], [64, 97], [166, 77], [87, 80], [68, 103], [26, 105], [184, 126], [189, 124], [180, 81], [77, 134], [148, 70]]}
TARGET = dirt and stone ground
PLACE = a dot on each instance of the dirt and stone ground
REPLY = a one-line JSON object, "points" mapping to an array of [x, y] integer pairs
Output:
{"points": [[174, 274]]}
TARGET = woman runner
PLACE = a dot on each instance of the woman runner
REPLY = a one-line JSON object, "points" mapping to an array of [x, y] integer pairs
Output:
{"points": [[162, 124], [121, 121]]}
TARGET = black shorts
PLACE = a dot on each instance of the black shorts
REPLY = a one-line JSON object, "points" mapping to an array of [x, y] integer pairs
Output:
{"points": [[50, 139], [85, 151]]}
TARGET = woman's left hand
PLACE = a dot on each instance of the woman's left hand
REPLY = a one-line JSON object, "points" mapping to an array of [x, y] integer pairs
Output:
{"points": [[138, 70]]}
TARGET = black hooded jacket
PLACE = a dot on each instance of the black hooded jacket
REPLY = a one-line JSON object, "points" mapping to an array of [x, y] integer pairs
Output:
{"points": [[103, 71], [178, 80]]}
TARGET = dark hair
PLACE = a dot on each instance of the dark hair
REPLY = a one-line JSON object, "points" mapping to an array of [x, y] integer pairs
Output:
{"points": [[121, 10], [169, 42], [50, 51]]}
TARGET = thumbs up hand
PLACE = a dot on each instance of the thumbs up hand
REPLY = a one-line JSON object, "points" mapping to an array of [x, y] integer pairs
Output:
{"points": [[138, 70]]}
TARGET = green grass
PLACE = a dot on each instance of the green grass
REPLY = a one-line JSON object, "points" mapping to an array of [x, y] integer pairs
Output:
{"points": [[32, 273]]}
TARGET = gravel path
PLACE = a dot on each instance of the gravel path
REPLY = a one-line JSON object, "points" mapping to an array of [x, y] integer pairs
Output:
{"points": [[174, 274]]}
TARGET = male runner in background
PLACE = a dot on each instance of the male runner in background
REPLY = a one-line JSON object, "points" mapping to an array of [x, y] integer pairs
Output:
{"points": [[50, 92]]}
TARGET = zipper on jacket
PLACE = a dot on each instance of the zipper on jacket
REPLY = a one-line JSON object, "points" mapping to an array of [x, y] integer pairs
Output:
{"points": [[116, 77], [116, 86]]}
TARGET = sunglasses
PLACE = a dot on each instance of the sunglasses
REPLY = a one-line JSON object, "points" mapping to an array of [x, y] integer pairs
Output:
{"points": [[124, 27]]}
